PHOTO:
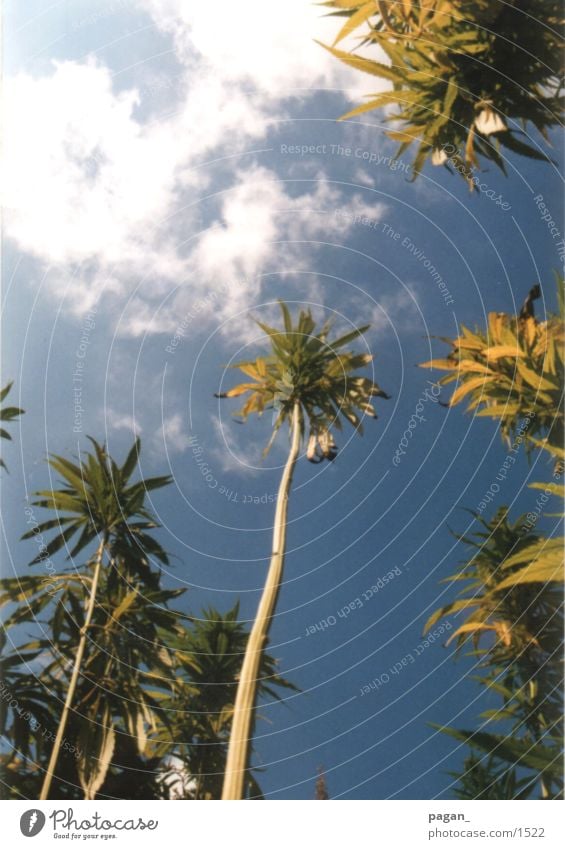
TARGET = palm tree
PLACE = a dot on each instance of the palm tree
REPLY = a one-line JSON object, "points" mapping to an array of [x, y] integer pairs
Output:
{"points": [[126, 667], [309, 381], [7, 414], [97, 502], [200, 710], [462, 74]]}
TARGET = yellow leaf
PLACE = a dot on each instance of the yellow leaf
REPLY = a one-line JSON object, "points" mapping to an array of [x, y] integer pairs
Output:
{"points": [[529, 329], [504, 632], [361, 64], [469, 336], [384, 99], [241, 389], [498, 351], [467, 387], [470, 150], [458, 366], [547, 446], [359, 17], [497, 411], [535, 380], [125, 604], [407, 136], [141, 734], [446, 365], [345, 4], [549, 364], [249, 369], [554, 488], [449, 610], [497, 322], [252, 405], [96, 748], [470, 627], [534, 573], [465, 344], [545, 551]]}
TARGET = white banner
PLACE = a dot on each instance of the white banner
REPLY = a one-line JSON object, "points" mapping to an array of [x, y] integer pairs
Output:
{"points": [[280, 825]]}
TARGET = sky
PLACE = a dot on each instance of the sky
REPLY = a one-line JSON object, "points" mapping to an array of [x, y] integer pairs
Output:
{"points": [[171, 170]]}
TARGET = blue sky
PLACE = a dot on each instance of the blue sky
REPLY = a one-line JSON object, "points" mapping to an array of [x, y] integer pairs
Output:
{"points": [[170, 174]]}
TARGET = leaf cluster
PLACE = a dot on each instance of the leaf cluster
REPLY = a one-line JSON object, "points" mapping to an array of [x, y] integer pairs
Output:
{"points": [[509, 371], [311, 370], [462, 73]]}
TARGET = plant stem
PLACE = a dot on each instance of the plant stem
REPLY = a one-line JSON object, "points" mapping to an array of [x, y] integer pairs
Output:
{"points": [[75, 674], [238, 747]]}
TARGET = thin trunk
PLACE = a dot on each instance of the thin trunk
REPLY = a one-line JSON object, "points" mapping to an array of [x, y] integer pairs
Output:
{"points": [[238, 748], [75, 674]]}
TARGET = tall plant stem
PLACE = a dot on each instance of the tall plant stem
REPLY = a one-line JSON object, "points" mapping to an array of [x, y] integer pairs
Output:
{"points": [[238, 748], [75, 673]]}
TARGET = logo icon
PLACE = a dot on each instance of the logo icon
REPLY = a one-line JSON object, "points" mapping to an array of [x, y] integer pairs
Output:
{"points": [[32, 822]]}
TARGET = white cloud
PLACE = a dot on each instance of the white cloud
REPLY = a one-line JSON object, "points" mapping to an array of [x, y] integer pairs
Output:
{"points": [[363, 178], [100, 196], [120, 421], [398, 311], [84, 183], [271, 49], [259, 229], [172, 435]]}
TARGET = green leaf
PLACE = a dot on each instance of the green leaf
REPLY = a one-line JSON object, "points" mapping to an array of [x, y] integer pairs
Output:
{"points": [[5, 391], [47, 526], [286, 316], [71, 473], [59, 500], [131, 460], [9, 413], [58, 542], [348, 337], [515, 751]]}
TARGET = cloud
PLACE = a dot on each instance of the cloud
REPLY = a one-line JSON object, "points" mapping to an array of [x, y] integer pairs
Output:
{"points": [[171, 435], [363, 178], [270, 50], [109, 202], [85, 182], [395, 311], [121, 421], [258, 230]]}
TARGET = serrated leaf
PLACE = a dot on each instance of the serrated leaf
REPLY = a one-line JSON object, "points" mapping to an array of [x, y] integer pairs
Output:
{"points": [[368, 66], [355, 20]]}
